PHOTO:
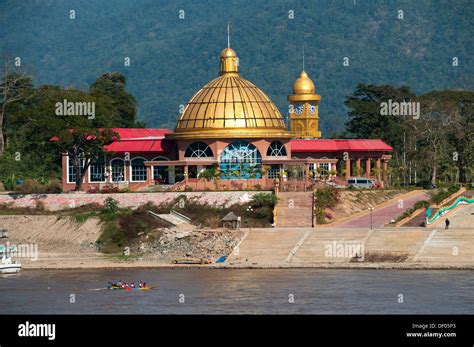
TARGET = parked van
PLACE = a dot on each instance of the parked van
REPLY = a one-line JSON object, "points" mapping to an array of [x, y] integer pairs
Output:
{"points": [[360, 182]]}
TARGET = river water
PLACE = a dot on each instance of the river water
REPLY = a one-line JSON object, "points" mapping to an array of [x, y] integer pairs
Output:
{"points": [[236, 291]]}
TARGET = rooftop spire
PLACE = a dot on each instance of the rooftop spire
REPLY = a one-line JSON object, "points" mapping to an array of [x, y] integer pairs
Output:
{"points": [[303, 57], [228, 35]]}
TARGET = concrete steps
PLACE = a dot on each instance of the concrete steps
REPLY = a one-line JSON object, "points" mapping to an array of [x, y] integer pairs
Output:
{"points": [[449, 246], [264, 246], [175, 220], [294, 209], [321, 245]]}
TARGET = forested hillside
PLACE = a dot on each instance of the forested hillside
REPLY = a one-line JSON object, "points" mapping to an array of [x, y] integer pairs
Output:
{"points": [[171, 58]]}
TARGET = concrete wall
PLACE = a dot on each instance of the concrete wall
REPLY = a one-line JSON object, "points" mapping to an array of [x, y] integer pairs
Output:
{"points": [[55, 202]]}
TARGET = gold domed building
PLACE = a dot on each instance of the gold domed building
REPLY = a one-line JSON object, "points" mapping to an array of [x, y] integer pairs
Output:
{"points": [[231, 135], [230, 107]]}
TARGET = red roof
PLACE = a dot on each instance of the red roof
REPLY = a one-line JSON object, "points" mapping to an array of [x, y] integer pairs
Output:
{"points": [[316, 145], [140, 133], [140, 140]]}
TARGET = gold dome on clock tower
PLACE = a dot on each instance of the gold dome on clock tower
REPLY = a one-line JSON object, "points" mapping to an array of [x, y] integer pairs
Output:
{"points": [[304, 117], [304, 85]]}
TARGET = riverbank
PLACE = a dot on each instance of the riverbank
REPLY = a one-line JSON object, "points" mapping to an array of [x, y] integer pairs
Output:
{"points": [[59, 243]]}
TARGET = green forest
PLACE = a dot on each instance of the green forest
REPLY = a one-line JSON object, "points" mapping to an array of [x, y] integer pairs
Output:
{"points": [[82, 59], [171, 58]]}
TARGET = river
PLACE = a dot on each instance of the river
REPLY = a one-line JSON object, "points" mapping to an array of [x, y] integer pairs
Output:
{"points": [[236, 291]]}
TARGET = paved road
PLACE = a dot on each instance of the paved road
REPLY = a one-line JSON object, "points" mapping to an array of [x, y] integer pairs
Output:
{"points": [[383, 215]]}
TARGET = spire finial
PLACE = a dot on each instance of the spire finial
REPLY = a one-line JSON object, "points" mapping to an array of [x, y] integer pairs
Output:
{"points": [[228, 35], [303, 57]]}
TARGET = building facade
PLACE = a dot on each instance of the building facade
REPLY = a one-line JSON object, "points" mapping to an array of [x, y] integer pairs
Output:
{"points": [[232, 131]]}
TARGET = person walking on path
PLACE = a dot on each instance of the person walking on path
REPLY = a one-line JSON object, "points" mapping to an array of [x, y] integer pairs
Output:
{"points": [[447, 223]]}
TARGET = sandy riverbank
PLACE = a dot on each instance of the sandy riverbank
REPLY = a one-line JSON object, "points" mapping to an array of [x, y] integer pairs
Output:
{"points": [[62, 244]]}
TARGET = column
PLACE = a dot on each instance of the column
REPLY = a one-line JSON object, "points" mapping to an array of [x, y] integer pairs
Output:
{"points": [[377, 166], [358, 167], [367, 167], [186, 173], [385, 168], [348, 168], [171, 174], [149, 175]]}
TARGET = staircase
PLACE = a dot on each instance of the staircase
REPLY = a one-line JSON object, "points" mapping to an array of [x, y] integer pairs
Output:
{"points": [[175, 219], [294, 209]]}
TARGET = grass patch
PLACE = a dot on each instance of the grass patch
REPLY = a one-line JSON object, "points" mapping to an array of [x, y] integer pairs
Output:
{"points": [[419, 204], [326, 198], [124, 227]]}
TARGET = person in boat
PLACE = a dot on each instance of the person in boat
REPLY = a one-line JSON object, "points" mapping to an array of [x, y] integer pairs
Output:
{"points": [[144, 285], [132, 285], [140, 285], [124, 285]]}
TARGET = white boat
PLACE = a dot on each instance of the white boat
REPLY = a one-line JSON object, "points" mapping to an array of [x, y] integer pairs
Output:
{"points": [[8, 266]]}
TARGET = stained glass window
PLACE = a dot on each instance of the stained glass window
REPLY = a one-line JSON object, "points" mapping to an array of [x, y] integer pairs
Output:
{"points": [[241, 160]]}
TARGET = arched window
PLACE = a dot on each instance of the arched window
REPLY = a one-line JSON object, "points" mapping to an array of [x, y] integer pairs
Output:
{"points": [[198, 150], [160, 173], [242, 160], [138, 170], [117, 168], [97, 170], [276, 149]]}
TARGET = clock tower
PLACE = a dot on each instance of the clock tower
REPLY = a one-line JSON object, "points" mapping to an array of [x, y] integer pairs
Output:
{"points": [[304, 118]]}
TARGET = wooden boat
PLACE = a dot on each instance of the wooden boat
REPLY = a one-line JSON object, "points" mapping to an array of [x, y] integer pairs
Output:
{"points": [[129, 288]]}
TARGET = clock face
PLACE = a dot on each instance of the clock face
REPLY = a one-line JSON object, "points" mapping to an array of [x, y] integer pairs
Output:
{"points": [[312, 109], [298, 109]]}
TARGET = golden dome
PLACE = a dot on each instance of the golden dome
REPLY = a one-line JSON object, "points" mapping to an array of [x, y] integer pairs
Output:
{"points": [[304, 85], [230, 107], [304, 90]]}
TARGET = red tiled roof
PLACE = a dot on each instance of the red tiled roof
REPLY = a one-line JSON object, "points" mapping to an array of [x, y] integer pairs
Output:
{"points": [[140, 133], [137, 140], [316, 145], [140, 140], [139, 146]]}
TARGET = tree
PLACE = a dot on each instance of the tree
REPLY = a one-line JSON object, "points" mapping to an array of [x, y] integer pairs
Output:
{"points": [[86, 145], [112, 86], [14, 87]]}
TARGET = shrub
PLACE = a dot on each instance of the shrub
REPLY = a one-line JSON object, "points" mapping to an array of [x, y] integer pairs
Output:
{"points": [[421, 204], [9, 182], [325, 198], [54, 187], [31, 186], [443, 194], [111, 205], [264, 200]]}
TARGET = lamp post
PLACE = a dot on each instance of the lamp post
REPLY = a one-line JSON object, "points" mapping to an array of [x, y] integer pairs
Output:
{"points": [[371, 208], [249, 209]]}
